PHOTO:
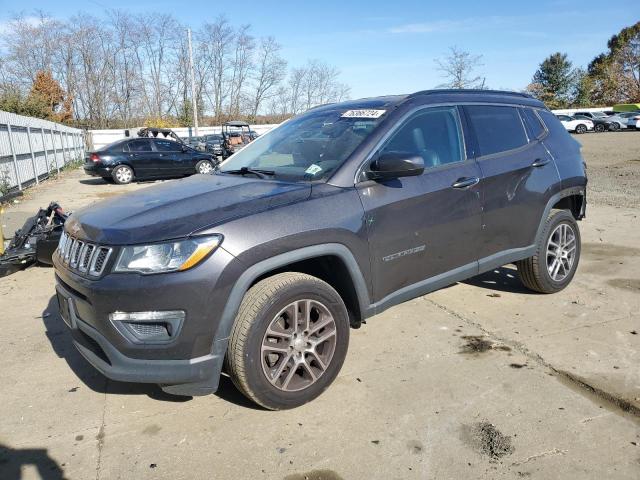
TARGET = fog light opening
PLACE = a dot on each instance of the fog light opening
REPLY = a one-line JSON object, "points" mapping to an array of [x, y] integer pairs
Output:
{"points": [[148, 327]]}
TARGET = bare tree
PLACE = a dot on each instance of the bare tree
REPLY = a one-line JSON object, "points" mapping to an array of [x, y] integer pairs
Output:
{"points": [[122, 69], [458, 68], [270, 70], [244, 46], [215, 39]]}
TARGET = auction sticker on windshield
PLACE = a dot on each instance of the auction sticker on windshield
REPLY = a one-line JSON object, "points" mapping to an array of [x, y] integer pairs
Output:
{"points": [[363, 113]]}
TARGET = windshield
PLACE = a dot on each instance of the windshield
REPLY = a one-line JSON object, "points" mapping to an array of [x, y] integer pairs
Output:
{"points": [[308, 147]]}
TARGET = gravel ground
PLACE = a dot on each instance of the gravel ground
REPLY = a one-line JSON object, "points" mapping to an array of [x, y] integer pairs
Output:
{"points": [[613, 166]]}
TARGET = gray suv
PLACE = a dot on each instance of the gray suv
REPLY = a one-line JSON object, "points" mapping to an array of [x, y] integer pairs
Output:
{"points": [[260, 269]]}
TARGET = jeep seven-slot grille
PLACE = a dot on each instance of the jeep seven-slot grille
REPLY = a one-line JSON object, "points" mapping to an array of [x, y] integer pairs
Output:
{"points": [[83, 256]]}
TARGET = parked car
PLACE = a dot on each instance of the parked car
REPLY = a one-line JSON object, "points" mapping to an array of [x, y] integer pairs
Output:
{"points": [[599, 124], [145, 158], [326, 220], [619, 120], [575, 125], [591, 115], [197, 143], [213, 144], [633, 120]]}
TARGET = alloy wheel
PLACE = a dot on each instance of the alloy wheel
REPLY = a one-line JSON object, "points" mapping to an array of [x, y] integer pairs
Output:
{"points": [[298, 345], [561, 252]]}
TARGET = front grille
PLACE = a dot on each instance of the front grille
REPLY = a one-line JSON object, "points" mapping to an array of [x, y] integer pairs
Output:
{"points": [[85, 257]]}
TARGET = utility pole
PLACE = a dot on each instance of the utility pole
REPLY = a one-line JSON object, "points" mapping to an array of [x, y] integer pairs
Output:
{"points": [[193, 86]]}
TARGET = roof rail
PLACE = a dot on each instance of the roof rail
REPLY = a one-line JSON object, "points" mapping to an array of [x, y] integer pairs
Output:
{"points": [[466, 91]]}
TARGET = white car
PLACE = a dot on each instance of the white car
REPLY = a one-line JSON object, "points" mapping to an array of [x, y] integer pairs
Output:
{"points": [[575, 125], [633, 120]]}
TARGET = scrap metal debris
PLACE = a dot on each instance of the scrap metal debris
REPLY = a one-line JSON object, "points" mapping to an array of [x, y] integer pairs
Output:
{"points": [[35, 241]]}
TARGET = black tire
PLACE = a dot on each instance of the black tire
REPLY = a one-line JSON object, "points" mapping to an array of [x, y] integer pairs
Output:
{"points": [[581, 128], [599, 128], [534, 271], [203, 165], [614, 127], [261, 306], [122, 174]]}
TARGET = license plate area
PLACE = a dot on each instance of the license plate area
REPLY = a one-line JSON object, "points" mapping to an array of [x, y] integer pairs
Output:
{"points": [[65, 311]]}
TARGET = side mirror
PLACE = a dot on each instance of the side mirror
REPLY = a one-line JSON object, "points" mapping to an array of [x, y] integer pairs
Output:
{"points": [[395, 165], [185, 148]]}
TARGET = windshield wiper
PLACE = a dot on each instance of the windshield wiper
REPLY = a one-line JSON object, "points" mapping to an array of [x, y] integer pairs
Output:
{"points": [[258, 172]]}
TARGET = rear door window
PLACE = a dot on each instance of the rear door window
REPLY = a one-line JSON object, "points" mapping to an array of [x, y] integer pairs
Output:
{"points": [[142, 145], [167, 146], [498, 129], [532, 123]]}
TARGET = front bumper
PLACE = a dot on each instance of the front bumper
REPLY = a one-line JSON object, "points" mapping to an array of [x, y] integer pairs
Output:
{"points": [[188, 365], [105, 358]]}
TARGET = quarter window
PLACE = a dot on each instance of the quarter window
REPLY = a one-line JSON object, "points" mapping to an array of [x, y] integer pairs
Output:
{"points": [[498, 129], [433, 133], [532, 123], [140, 146]]}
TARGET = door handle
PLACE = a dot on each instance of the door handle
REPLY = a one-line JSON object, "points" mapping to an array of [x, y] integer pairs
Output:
{"points": [[540, 162], [466, 182]]}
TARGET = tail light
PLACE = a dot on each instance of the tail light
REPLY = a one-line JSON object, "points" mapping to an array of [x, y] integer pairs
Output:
{"points": [[95, 157], [636, 118]]}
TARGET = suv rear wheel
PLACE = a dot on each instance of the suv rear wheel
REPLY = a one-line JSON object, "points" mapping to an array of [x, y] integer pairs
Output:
{"points": [[581, 128], [556, 259], [289, 340]]}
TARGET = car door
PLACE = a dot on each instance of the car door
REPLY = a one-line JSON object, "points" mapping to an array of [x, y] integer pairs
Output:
{"points": [[143, 157], [423, 227], [518, 177], [169, 153]]}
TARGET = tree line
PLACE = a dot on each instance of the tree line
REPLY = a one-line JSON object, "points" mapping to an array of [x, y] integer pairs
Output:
{"points": [[610, 78], [124, 70]]}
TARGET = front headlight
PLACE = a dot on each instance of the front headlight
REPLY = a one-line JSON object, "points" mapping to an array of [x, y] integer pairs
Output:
{"points": [[167, 257]]}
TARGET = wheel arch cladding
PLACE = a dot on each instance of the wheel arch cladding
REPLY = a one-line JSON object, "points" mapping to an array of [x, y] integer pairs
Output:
{"points": [[317, 259], [559, 200]]}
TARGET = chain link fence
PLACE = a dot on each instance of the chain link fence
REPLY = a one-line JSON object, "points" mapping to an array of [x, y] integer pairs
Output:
{"points": [[31, 149]]}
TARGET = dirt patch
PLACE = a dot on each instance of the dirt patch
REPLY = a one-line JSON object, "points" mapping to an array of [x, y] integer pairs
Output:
{"points": [[152, 429], [602, 251], [487, 440], [517, 365], [315, 475], [604, 258], [632, 284], [415, 447], [476, 344], [107, 194]]}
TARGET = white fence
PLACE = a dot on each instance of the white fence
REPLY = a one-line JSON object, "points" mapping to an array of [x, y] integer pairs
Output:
{"points": [[99, 138], [31, 148]]}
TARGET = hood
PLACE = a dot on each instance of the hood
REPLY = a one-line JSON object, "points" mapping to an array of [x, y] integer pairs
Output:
{"points": [[178, 208]]}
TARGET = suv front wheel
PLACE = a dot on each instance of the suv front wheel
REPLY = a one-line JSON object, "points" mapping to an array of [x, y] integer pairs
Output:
{"points": [[289, 340], [556, 259]]}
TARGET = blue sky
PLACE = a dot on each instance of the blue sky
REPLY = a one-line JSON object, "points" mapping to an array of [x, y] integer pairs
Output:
{"points": [[386, 46]]}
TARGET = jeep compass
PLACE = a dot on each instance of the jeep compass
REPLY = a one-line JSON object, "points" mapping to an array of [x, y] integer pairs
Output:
{"points": [[260, 269]]}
